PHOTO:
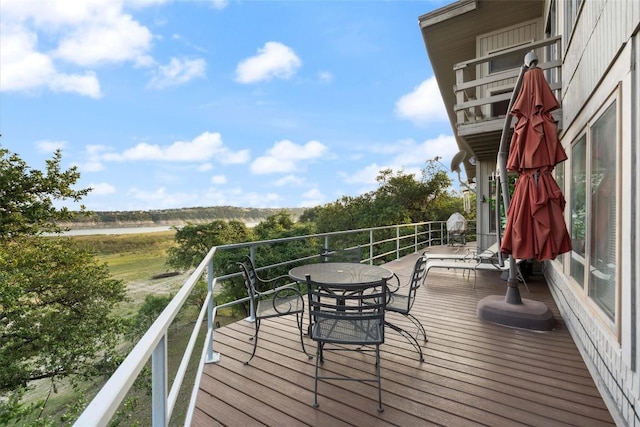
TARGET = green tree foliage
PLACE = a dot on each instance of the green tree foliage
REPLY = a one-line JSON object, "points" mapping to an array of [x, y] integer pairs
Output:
{"points": [[399, 199], [193, 241], [55, 315], [27, 195], [147, 314], [56, 301]]}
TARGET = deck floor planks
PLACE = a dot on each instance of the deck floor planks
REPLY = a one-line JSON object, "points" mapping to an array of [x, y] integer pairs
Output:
{"points": [[475, 373]]}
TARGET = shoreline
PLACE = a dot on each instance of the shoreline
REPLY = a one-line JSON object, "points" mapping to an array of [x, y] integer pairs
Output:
{"points": [[127, 230]]}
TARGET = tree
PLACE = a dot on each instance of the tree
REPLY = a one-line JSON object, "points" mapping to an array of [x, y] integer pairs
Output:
{"points": [[56, 310], [400, 198], [27, 196], [195, 240], [56, 301], [147, 314]]}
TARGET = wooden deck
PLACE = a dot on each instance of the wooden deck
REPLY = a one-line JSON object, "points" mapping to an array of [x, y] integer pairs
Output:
{"points": [[474, 373]]}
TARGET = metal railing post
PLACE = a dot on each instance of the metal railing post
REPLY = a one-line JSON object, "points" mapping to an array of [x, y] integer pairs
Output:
{"points": [[371, 247], [415, 238], [159, 384], [211, 356], [397, 242]]}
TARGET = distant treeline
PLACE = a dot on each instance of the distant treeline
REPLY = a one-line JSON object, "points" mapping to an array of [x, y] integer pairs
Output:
{"points": [[180, 216]]}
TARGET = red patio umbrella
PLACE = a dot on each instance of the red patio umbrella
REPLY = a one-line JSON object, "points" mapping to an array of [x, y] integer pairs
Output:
{"points": [[535, 222]]}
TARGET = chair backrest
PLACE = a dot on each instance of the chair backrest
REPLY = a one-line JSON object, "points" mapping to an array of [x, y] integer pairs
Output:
{"points": [[251, 279], [417, 277], [341, 255], [330, 302]]}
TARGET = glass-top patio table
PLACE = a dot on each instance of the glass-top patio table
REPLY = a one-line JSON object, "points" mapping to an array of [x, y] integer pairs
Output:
{"points": [[340, 273]]}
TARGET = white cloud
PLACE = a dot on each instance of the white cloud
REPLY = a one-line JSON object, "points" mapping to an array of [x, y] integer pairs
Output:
{"points": [[286, 156], [204, 147], [76, 37], [325, 77], [366, 175], [107, 35], [23, 68], [50, 146], [423, 105], [102, 188], [218, 179], [408, 156], [273, 60], [160, 198], [86, 84], [289, 180], [313, 197], [177, 72], [205, 167], [219, 4]]}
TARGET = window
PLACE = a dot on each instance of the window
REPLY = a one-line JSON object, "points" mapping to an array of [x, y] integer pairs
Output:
{"points": [[571, 9], [578, 208], [602, 265], [506, 62], [593, 191], [559, 176]]}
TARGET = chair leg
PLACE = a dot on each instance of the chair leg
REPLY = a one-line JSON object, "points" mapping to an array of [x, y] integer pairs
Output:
{"points": [[380, 408], [412, 340], [300, 318], [255, 341], [315, 385], [418, 325]]}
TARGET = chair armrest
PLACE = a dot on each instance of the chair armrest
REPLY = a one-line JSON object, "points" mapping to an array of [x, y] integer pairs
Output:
{"points": [[285, 295], [393, 288], [271, 283]]}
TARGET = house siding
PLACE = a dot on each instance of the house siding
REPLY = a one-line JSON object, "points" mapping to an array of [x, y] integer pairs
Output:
{"points": [[600, 60]]}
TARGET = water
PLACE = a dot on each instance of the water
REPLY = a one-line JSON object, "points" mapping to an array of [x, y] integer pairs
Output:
{"points": [[123, 230], [127, 230]]}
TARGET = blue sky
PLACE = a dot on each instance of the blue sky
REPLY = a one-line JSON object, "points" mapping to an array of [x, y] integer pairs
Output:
{"points": [[165, 104]]}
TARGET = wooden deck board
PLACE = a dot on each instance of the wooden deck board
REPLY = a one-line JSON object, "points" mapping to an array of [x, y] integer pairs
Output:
{"points": [[475, 373]]}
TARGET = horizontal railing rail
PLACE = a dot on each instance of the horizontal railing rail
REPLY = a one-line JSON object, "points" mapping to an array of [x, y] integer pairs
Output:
{"points": [[153, 344]]}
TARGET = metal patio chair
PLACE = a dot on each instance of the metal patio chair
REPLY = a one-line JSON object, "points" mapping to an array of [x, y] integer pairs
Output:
{"points": [[339, 319], [269, 302], [402, 297]]}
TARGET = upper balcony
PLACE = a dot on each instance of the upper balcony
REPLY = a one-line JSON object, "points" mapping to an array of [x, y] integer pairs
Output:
{"points": [[482, 95]]}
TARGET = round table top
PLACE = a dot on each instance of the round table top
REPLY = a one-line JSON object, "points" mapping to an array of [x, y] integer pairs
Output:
{"points": [[340, 273]]}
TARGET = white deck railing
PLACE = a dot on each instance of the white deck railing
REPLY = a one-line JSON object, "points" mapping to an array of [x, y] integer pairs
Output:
{"points": [[408, 238]]}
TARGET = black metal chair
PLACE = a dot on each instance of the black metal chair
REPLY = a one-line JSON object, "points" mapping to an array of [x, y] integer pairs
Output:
{"points": [[269, 302], [338, 316], [353, 254], [401, 301]]}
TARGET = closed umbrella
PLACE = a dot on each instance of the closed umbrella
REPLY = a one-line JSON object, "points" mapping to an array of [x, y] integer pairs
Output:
{"points": [[535, 226]]}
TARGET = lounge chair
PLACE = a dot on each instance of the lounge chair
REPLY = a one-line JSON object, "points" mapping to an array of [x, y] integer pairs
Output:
{"points": [[484, 262]]}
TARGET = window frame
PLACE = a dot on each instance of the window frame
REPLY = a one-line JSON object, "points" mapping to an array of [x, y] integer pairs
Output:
{"points": [[611, 322]]}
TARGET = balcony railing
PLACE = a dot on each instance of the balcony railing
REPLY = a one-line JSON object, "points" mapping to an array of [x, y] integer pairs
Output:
{"points": [[482, 94], [379, 244]]}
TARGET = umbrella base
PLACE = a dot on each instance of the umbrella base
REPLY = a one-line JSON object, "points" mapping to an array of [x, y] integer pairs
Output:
{"points": [[533, 315]]}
